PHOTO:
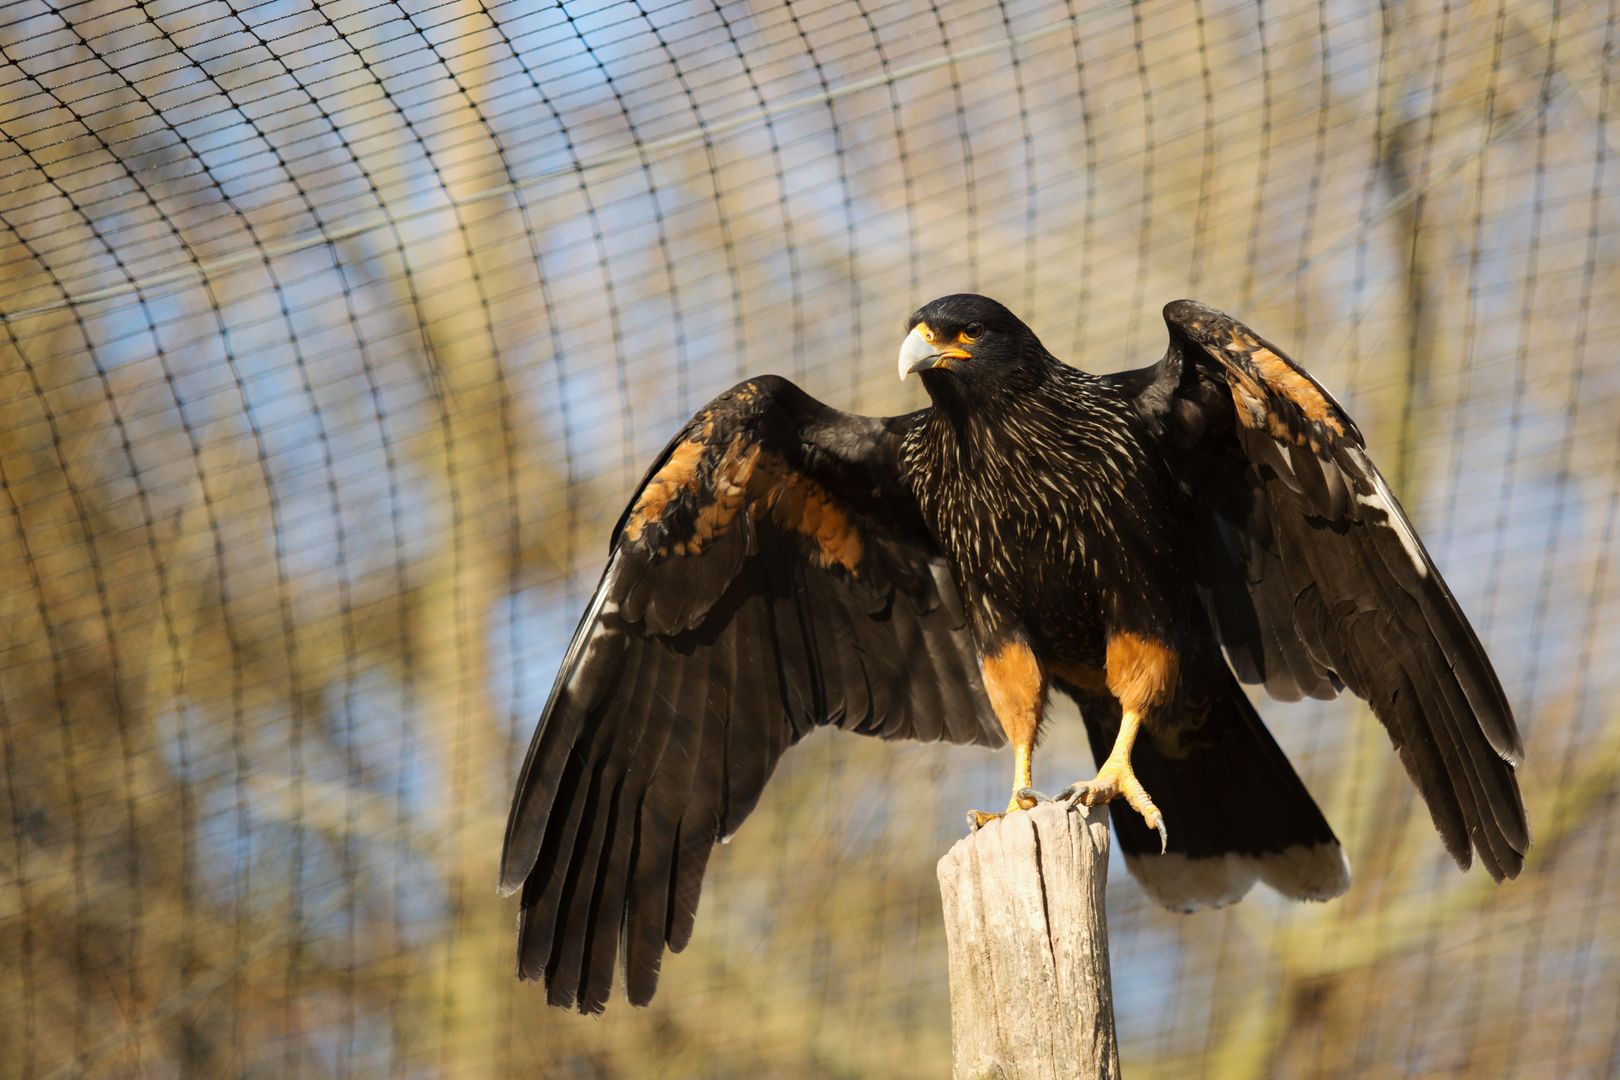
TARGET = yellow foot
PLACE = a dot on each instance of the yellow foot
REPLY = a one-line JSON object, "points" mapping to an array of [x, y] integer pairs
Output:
{"points": [[1022, 799], [1113, 780], [978, 819]]}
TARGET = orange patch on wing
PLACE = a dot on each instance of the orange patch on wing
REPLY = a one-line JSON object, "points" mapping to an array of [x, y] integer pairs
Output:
{"points": [[1141, 670], [1252, 400], [678, 474], [1241, 342], [795, 502], [732, 477], [1016, 686], [746, 476], [1281, 377]]}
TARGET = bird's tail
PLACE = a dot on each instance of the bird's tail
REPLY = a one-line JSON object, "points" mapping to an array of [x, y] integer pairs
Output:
{"points": [[1235, 810]]}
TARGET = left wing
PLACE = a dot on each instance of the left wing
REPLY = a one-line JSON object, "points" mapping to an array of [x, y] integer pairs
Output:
{"points": [[771, 574], [1316, 580]]}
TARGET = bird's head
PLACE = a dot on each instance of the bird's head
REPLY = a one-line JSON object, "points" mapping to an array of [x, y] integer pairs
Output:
{"points": [[969, 344]]}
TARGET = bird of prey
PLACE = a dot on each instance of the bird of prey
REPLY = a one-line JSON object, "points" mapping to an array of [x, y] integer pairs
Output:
{"points": [[1142, 542]]}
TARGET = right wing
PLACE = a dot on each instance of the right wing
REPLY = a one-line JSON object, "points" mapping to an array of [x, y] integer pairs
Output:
{"points": [[1318, 580], [771, 575]]}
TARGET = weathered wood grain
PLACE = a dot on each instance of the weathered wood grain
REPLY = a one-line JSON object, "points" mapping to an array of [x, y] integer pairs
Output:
{"points": [[1028, 940]]}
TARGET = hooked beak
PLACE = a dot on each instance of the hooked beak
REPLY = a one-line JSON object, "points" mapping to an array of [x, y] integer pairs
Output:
{"points": [[917, 353]]}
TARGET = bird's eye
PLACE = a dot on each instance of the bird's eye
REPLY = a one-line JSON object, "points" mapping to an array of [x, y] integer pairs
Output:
{"points": [[972, 331]]}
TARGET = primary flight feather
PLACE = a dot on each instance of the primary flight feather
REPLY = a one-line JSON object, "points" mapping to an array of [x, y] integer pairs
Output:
{"points": [[1140, 542]]}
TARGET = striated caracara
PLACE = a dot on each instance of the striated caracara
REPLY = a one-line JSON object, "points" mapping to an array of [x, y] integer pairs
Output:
{"points": [[1142, 542]]}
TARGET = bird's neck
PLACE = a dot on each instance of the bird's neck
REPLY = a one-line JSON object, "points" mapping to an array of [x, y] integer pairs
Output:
{"points": [[989, 401], [969, 425]]}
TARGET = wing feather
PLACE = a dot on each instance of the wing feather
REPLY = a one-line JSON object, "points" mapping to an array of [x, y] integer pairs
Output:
{"points": [[1316, 580], [770, 576], [667, 754]]}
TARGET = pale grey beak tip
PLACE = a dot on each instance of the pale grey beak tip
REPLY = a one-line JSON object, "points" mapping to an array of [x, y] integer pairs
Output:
{"points": [[916, 354]]}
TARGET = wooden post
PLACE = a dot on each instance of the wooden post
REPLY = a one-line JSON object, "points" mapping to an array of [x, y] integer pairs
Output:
{"points": [[1028, 943]]}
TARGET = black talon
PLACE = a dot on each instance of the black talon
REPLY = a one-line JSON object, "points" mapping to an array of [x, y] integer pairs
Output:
{"points": [[1164, 838], [1032, 795]]}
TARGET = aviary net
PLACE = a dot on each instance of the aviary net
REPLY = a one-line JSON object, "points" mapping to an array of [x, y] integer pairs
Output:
{"points": [[335, 333]]}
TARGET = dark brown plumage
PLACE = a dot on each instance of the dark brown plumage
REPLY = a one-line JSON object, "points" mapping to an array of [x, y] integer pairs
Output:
{"points": [[1140, 542]]}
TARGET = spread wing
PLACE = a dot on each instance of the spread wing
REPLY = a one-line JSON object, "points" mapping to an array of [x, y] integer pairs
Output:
{"points": [[1316, 580], [772, 574]]}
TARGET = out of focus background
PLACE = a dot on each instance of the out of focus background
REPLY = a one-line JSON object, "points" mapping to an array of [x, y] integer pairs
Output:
{"points": [[334, 334]]}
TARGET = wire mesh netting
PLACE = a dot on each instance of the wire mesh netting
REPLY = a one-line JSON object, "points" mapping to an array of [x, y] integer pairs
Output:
{"points": [[336, 333]]}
